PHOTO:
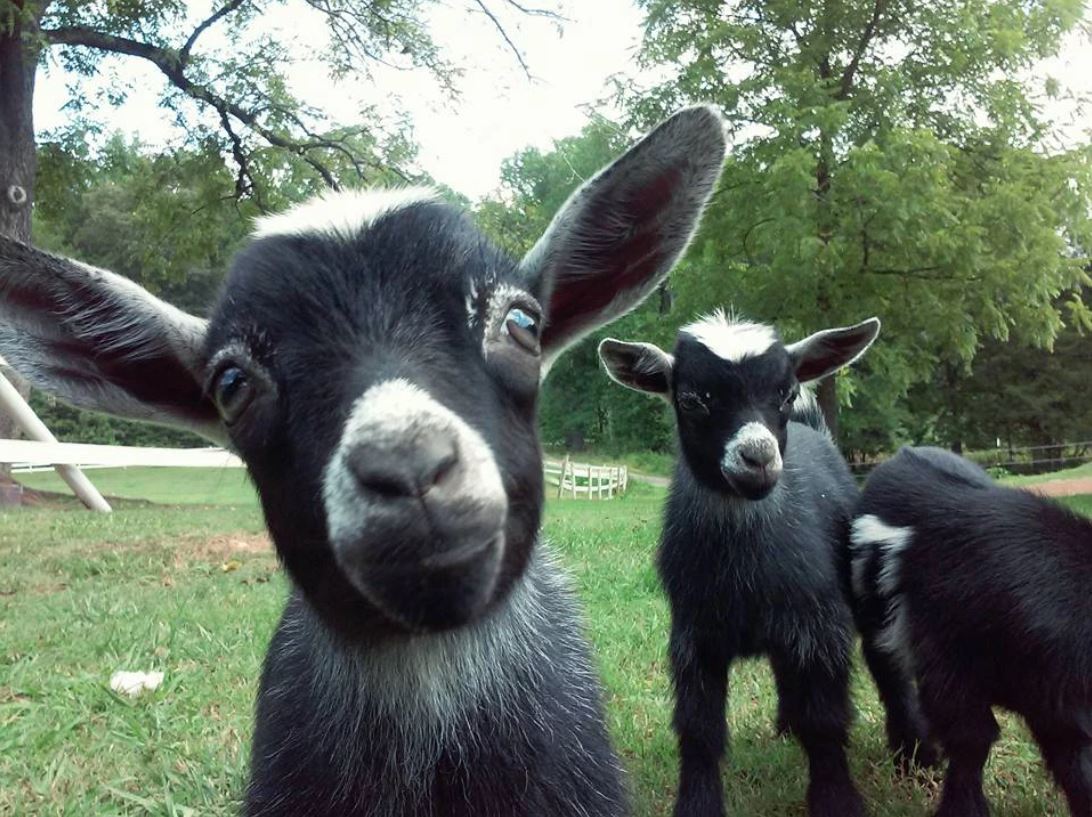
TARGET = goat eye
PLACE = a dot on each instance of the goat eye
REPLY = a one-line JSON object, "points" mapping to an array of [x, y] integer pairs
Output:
{"points": [[523, 327], [789, 398], [233, 393]]}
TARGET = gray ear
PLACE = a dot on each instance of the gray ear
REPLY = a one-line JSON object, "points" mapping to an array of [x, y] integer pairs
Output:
{"points": [[638, 366], [619, 234], [825, 352], [99, 341]]}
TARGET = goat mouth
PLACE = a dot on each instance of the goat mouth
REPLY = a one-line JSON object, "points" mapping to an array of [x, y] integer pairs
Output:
{"points": [[750, 486], [463, 553]]}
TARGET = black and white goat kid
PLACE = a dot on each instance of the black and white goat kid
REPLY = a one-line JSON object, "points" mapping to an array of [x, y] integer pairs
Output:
{"points": [[983, 594], [753, 532], [375, 360]]}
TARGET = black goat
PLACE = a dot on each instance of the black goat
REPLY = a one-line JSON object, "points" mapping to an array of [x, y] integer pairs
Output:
{"points": [[984, 594], [753, 542], [376, 360]]}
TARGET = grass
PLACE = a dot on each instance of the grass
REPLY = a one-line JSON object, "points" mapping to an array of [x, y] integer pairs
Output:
{"points": [[175, 486], [191, 590], [1067, 473]]}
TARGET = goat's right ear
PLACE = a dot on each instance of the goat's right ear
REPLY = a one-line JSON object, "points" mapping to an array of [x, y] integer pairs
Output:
{"points": [[638, 366], [99, 341]]}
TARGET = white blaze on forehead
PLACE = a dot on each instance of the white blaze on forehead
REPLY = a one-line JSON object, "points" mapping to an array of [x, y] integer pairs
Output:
{"points": [[730, 339], [753, 436], [343, 214], [398, 410]]}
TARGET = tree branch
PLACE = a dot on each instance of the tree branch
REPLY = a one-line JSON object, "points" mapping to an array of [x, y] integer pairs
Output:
{"points": [[169, 62], [500, 28], [866, 37], [184, 54]]}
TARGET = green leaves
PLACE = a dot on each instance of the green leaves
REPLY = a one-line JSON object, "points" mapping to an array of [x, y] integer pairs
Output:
{"points": [[887, 162]]}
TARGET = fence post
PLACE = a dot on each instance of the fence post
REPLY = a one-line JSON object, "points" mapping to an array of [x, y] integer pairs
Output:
{"points": [[24, 416]]}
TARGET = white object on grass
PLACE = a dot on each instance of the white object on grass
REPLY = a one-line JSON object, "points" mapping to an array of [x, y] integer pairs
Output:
{"points": [[134, 683]]}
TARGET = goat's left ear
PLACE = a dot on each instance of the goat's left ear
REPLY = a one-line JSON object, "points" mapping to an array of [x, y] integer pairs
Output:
{"points": [[618, 235], [825, 352]]}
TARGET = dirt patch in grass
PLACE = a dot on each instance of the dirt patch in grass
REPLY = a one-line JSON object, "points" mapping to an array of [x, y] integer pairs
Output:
{"points": [[1062, 487], [220, 547]]}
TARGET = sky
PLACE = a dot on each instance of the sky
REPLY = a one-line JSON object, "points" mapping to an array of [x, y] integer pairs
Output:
{"points": [[500, 110]]}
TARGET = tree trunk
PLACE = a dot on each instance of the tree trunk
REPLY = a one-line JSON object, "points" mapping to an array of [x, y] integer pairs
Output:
{"points": [[18, 65]]}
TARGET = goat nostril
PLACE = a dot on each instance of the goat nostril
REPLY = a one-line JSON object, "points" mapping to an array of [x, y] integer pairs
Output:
{"points": [[441, 468], [757, 459]]}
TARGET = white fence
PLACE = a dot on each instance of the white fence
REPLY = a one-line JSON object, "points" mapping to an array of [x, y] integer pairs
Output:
{"points": [[583, 480], [30, 455]]}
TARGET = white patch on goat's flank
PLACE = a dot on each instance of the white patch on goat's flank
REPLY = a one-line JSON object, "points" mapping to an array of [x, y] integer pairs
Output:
{"points": [[393, 410], [871, 535], [894, 638], [889, 542], [731, 339], [343, 214], [753, 433]]}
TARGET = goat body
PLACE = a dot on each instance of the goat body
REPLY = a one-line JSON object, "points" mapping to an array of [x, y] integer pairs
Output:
{"points": [[982, 593], [753, 553]]}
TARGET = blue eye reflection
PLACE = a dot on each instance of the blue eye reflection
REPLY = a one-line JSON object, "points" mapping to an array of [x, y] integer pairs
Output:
{"points": [[230, 381], [522, 319]]}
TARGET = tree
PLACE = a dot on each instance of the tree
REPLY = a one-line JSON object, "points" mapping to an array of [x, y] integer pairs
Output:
{"points": [[890, 161], [1018, 395], [235, 98]]}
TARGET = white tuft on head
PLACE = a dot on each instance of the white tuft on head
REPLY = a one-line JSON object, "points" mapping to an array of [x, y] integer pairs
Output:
{"points": [[731, 339], [341, 214]]}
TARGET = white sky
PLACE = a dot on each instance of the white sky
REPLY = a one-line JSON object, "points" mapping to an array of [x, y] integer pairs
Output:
{"points": [[500, 111]]}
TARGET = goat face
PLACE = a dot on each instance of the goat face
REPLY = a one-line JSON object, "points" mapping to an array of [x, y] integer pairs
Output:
{"points": [[390, 370], [375, 361], [733, 386]]}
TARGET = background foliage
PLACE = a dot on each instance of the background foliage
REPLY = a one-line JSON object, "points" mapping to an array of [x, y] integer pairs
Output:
{"points": [[890, 158]]}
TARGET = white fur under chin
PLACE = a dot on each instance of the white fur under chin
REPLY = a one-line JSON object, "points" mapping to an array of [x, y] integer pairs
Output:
{"points": [[343, 214]]}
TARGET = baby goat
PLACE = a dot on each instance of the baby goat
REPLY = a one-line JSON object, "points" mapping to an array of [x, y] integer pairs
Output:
{"points": [[754, 530], [983, 593], [375, 360]]}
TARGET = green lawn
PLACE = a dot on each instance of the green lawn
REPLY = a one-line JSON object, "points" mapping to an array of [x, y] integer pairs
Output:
{"points": [[203, 486], [1068, 473], [189, 590]]}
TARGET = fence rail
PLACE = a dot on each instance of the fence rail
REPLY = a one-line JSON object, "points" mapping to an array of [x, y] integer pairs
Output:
{"points": [[26, 455], [1024, 459], [584, 480]]}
